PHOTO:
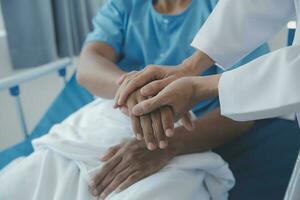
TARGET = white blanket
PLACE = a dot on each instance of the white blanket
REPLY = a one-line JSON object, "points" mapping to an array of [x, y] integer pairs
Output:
{"points": [[67, 158]]}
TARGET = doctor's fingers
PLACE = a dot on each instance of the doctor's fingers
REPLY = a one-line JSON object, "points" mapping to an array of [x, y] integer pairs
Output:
{"points": [[153, 88], [158, 129], [151, 104], [138, 81]]}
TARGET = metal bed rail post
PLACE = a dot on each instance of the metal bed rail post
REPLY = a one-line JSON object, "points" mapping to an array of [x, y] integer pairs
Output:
{"points": [[291, 32], [13, 83], [15, 92], [63, 74]]}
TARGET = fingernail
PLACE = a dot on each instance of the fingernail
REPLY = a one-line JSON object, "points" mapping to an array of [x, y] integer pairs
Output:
{"points": [[163, 144], [151, 146], [115, 105], [169, 133], [139, 137], [120, 102], [95, 192]]}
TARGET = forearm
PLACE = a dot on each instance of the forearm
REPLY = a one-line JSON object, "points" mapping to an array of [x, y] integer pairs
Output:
{"points": [[205, 87], [98, 73], [198, 63], [211, 131]]}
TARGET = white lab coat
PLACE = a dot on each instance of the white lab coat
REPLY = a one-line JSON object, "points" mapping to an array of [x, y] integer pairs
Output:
{"points": [[270, 85], [267, 87]]}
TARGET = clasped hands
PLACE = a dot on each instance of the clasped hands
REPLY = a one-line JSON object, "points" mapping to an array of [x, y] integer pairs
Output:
{"points": [[154, 99], [157, 126], [130, 161]]}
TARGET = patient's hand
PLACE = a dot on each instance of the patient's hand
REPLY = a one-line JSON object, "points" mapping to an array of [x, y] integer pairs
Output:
{"points": [[127, 164], [154, 127]]}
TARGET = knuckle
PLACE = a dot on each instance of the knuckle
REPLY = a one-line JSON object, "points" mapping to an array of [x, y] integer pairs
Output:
{"points": [[119, 179], [151, 68], [140, 98]]}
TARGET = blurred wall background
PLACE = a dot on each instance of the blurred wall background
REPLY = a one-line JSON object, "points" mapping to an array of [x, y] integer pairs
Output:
{"points": [[39, 32]]}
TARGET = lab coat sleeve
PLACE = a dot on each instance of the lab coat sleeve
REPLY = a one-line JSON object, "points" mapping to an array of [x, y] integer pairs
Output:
{"points": [[237, 27], [266, 87]]}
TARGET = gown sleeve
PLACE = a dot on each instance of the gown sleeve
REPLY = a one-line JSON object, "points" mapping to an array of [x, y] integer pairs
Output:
{"points": [[235, 28], [266, 87]]}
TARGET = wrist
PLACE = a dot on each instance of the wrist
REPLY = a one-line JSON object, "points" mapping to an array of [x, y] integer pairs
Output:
{"points": [[176, 143], [205, 86], [197, 63]]}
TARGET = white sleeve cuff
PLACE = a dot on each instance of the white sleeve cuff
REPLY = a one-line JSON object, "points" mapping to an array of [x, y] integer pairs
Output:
{"points": [[215, 53]]}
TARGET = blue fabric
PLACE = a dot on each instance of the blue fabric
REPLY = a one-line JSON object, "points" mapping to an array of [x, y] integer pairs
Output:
{"points": [[143, 36], [70, 99], [262, 161], [291, 36]]}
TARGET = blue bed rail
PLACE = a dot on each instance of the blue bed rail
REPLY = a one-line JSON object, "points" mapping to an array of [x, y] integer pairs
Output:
{"points": [[291, 32], [12, 84]]}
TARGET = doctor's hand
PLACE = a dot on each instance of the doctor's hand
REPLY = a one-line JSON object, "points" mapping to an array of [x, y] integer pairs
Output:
{"points": [[155, 77], [154, 127], [152, 80], [127, 164], [181, 95]]}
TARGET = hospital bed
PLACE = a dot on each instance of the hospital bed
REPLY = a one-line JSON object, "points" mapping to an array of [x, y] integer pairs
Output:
{"points": [[70, 99]]}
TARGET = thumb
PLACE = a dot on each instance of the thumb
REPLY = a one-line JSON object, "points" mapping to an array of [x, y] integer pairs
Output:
{"points": [[188, 122], [155, 87]]}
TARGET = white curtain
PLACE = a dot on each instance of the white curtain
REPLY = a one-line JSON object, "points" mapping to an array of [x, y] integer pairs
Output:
{"points": [[40, 31]]}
